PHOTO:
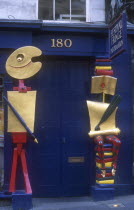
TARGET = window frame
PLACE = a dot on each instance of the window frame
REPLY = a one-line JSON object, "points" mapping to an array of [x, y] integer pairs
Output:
{"points": [[70, 14], [89, 16]]}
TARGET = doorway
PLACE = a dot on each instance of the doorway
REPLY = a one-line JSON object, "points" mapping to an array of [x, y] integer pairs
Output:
{"points": [[60, 163]]}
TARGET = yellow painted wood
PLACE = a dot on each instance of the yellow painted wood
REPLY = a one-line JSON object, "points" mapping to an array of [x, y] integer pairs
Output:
{"points": [[111, 181], [108, 164], [106, 154], [104, 67]]}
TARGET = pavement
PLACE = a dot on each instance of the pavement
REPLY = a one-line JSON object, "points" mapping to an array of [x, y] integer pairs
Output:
{"points": [[76, 203], [83, 203]]}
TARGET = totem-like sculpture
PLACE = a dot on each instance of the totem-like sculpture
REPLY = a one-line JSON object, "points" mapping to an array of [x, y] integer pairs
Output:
{"points": [[103, 128], [21, 107]]}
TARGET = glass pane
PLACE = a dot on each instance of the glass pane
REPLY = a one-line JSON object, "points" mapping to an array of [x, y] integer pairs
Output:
{"points": [[78, 10], [46, 9], [62, 11]]}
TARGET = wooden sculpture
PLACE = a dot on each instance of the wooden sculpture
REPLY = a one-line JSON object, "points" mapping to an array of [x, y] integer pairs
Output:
{"points": [[21, 108], [103, 128]]}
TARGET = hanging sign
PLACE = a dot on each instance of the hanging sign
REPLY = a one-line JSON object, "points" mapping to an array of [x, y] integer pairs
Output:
{"points": [[118, 36]]}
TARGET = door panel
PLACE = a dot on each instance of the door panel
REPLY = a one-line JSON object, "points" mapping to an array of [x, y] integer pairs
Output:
{"points": [[62, 126], [74, 129], [46, 157]]}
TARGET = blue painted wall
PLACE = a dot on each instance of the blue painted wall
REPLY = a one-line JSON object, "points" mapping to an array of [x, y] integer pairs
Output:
{"points": [[62, 123], [122, 68], [82, 45]]}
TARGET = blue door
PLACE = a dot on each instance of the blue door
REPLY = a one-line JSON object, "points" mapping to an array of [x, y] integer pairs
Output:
{"points": [[60, 163]]}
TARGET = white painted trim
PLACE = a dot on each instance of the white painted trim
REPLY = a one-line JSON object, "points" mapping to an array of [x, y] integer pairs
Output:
{"points": [[53, 9], [94, 12], [88, 10], [37, 9], [70, 8]]}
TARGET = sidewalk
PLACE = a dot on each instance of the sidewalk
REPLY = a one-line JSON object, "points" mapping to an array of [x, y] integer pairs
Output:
{"points": [[77, 203], [82, 203]]}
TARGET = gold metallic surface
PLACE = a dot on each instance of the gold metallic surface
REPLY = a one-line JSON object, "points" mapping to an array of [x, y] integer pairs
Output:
{"points": [[103, 84], [103, 97], [36, 141], [96, 110], [76, 159], [19, 64], [24, 103], [1, 121], [115, 131]]}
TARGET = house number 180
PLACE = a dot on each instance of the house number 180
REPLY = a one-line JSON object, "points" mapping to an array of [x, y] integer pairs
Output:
{"points": [[61, 43]]}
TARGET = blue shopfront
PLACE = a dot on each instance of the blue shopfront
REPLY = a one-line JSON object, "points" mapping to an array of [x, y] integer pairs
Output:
{"points": [[63, 162]]}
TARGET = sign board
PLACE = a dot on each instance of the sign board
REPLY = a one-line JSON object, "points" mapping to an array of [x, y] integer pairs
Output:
{"points": [[118, 36]]}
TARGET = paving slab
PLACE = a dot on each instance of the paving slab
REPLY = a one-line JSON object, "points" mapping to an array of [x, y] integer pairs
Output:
{"points": [[83, 203], [76, 203]]}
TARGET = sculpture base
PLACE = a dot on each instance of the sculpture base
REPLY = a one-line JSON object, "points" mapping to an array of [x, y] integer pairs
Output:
{"points": [[102, 193], [21, 200]]}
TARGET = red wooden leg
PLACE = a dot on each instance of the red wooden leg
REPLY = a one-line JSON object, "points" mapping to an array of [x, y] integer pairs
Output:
{"points": [[13, 172], [25, 172]]}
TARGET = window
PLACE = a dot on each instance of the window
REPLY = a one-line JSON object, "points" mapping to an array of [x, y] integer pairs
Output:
{"points": [[61, 10], [72, 10]]}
